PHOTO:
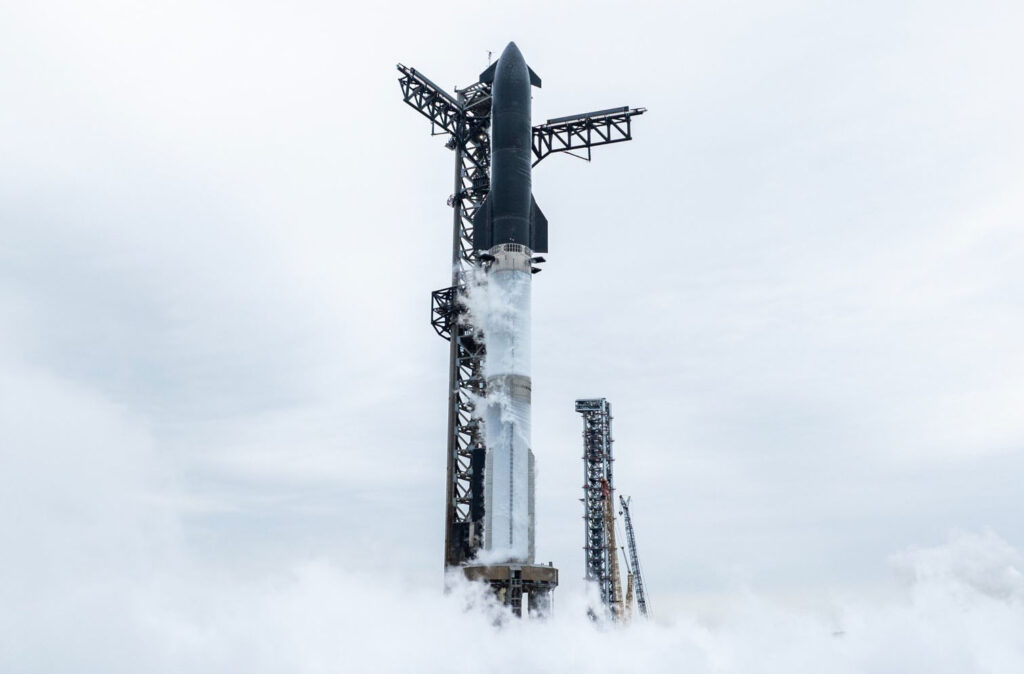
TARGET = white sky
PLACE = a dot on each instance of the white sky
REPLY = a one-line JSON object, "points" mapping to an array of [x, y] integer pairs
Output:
{"points": [[800, 285]]}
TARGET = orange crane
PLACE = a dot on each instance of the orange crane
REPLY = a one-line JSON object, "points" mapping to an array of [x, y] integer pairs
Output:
{"points": [[613, 552]]}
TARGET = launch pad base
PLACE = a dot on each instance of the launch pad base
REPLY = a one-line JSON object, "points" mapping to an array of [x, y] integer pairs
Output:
{"points": [[510, 582]]}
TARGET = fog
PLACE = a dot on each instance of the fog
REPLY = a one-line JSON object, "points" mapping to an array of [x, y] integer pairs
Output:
{"points": [[99, 578]]}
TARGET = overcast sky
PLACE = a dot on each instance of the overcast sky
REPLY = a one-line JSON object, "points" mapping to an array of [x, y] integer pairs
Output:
{"points": [[800, 285]]}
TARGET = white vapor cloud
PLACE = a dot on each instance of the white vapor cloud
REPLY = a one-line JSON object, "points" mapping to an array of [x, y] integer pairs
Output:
{"points": [[111, 586]]}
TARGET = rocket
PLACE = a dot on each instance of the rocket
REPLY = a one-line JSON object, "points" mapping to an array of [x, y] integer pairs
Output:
{"points": [[509, 229]]}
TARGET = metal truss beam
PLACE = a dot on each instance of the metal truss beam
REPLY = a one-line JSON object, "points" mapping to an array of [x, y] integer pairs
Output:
{"points": [[443, 311], [430, 100], [582, 132]]}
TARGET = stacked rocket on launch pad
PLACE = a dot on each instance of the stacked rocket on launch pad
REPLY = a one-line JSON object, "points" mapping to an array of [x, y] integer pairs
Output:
{"points": [[508, 229], [490, 488]]}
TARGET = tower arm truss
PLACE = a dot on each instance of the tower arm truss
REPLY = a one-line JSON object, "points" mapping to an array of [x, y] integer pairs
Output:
{"points": [[577, 133], [444, 311], [430, 100]]}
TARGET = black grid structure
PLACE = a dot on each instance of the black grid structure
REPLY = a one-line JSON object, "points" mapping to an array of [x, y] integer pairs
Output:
{"points": [[634, 561], [466, 451], [598, 489], [465, 119], [578, 133]]}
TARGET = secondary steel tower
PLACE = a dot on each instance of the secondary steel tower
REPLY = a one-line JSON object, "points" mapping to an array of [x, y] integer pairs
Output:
{"points": [[599, 548], [498, 228]]}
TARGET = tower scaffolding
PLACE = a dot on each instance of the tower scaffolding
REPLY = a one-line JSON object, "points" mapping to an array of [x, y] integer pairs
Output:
{"points": [[465, 118], [598, 490]]}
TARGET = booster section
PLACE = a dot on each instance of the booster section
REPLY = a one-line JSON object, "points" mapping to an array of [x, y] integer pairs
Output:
{"points": [[509, 491]]}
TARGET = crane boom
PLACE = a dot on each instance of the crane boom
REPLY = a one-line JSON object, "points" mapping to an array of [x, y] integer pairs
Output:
{"points": [[641, 598]]}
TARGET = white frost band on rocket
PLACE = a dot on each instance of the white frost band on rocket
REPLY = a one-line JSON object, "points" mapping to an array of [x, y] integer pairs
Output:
{"points": [[505, 319]]}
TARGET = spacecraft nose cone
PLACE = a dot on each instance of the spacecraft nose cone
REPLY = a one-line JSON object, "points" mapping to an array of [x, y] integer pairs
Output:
{"points": [[512, 52]]}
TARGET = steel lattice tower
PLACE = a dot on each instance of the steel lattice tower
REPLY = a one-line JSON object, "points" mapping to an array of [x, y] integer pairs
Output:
{"points": [[465, 119], [598, 490]]}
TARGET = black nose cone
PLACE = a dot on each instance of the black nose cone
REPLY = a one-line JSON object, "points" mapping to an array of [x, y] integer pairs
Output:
{"points": [[512, 53]]}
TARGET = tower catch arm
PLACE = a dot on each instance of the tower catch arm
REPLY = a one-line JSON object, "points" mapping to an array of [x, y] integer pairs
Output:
{"points": [[583, 132], [430, 100]]}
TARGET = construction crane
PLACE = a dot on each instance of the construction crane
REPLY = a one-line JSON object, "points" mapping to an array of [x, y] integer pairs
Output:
{"points": [[634, 562], [613, 552], [600, 547]]}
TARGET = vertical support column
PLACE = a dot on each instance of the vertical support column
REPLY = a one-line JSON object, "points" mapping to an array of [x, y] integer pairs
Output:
{"points": [[515, 592], [451, 552]]}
